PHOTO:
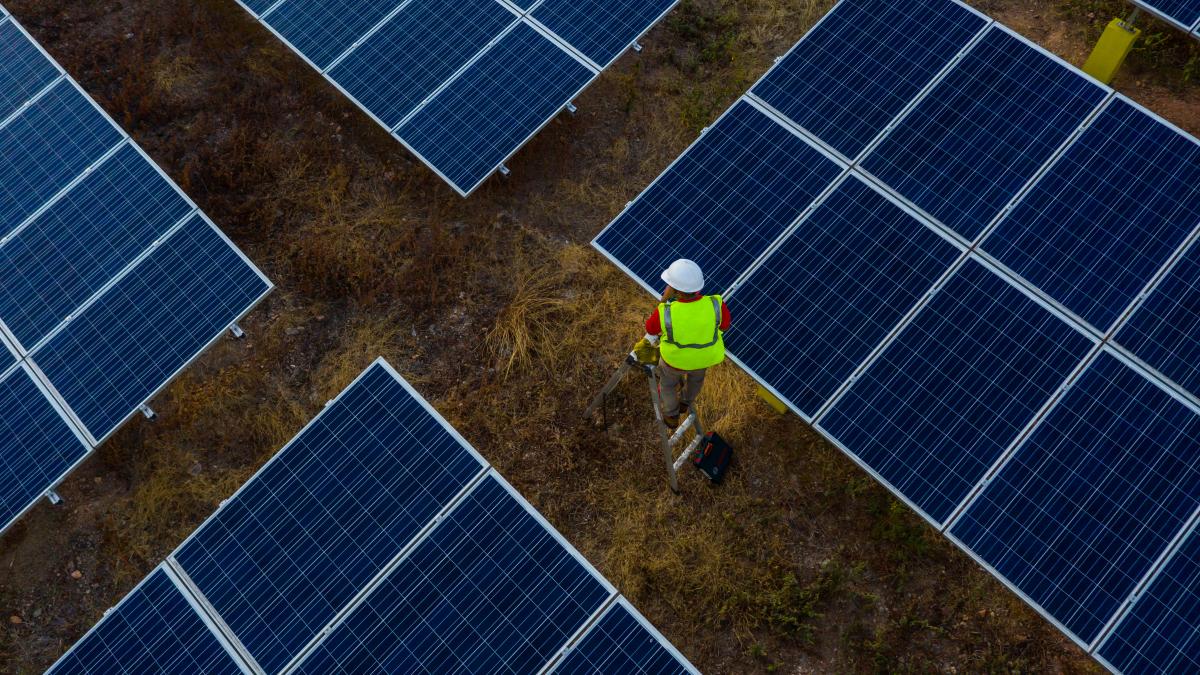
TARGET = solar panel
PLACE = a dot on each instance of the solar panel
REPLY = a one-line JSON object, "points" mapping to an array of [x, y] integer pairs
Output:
{"points": [[845, 90], [155, 629], [1183, 13], [984, 131], [1164, 331], [24, 71], [1106, 216], [399, 67], [46, 147], [85, 218], [494, 106], [845, 277], [1081, 211], [323, 31], [1161, 632], [462, 83], [953, 390], [601, 30], [622, 641], [37, 444], [378, 540], [281, 558], [76, 246], [1085, 506], [491, 589], [120, 350], [722, 203]]}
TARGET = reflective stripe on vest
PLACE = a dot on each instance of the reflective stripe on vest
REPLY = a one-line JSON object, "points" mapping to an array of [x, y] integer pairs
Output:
{"points": [[689, 341]]}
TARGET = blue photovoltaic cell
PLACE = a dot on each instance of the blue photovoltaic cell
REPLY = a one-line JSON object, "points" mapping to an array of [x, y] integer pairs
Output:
{"points": [[120, 350], [489, 590], [24, 71], [833, 290], [260, 6], [306, 534], [866, 60], [601, 29], [953, 390], [1165, 330], [1186, 12], [1096, 228], [154, 630], [620, 643], [416, 51], [323, 30], [722, 203], [1161, 632], [45, 148], [1092, 498], [487, 113], [37, 445], [984, 131], [81, 242]]}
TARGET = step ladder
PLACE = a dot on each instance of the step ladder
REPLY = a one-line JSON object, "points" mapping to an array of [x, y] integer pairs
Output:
{"points": [[668, 438]]}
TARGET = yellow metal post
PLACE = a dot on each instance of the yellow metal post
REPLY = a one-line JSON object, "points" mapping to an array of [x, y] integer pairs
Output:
{"points": [[1111, 50], [771, 400]]}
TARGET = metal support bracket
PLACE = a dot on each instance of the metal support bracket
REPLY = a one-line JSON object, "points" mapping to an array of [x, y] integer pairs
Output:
{"points": [[503, 170], [237, 332], [637, 46], [53, 497], [145, 410]]}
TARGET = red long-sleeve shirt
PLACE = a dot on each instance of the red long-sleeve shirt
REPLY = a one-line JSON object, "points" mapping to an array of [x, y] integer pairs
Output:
{"points": [[654, 326]]}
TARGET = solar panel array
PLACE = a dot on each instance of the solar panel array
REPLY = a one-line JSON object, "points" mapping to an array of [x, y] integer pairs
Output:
{"points": [[1183, 14], [974, 269], [377, 540], [113, 280], [463, 84]]}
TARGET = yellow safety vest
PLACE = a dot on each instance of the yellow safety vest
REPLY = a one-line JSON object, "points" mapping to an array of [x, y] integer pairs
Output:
{"points": [[691, 333]]}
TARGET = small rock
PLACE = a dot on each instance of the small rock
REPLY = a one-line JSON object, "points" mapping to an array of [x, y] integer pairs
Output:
{"points": [[37, 612], [196, 469], [15, 619], [293, 330], [76, 574]]}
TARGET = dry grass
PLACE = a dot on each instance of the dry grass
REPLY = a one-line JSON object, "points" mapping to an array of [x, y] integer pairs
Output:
{"points": [[499, 313]]}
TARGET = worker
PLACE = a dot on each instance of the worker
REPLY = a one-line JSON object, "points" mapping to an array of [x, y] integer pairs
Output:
{"points": [[688, 328]]}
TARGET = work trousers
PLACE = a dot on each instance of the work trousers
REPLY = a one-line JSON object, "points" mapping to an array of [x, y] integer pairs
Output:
{"points": [[670, 380]]}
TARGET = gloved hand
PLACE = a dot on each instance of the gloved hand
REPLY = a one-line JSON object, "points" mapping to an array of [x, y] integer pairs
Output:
{"points": [[645, 351]]}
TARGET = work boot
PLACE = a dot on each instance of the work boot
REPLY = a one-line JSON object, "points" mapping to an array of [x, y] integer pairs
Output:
{"points": [[672, 421]]}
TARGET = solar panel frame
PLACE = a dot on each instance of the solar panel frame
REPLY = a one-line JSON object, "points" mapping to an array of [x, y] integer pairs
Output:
{"points": [[620, 604], [489, 475], [928, 94], [187, 210], [903, 319], [579, 52], [276, 458], [165, 570], [904, 110], [16, 371], [1147, 378], [1163, 15], [804, 138], [1151, 280], [466, 191], [269, 286], [1184, 552]]}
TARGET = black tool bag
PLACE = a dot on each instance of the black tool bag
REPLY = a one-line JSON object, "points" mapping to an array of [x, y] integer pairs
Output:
{"points": [[713, 457]]}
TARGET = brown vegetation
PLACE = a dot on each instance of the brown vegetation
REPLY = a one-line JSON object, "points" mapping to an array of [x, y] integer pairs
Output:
{"points": [[499, 313]]}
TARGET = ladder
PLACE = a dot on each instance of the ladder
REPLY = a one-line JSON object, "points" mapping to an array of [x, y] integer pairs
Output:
{"points": [[667, 438]]}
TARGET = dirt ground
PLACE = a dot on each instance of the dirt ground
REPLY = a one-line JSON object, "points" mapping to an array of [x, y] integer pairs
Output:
{"points": [[500, 314]]}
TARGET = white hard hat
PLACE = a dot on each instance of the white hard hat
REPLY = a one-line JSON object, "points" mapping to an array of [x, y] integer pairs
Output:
{"points": [[684, 275]]}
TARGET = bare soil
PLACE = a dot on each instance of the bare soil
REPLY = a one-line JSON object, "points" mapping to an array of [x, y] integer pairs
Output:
{"points": [[499, 313]]}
